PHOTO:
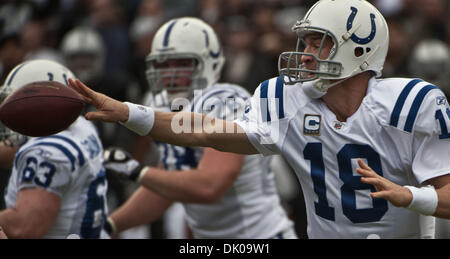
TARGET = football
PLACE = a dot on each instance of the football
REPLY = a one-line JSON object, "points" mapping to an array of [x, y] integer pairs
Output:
{"points": [[41, 108]]}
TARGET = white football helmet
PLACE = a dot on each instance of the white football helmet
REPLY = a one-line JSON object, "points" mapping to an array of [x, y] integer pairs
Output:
{"points": [[430, 60], [185, 38], [360, 36], [23, 74], [84, 52]]}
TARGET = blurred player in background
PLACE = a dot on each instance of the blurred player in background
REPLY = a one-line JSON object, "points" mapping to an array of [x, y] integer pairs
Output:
{"points": [[430, 60], [224, 195], [355, 142], [57, 186]]}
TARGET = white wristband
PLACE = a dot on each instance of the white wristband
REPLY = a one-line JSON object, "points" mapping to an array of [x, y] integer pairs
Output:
{"points": [[140, 118], [141, 174], [424, 201]]}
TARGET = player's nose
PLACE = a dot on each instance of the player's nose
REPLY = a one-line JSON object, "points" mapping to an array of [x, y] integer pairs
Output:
{"points": [[305, 60]]}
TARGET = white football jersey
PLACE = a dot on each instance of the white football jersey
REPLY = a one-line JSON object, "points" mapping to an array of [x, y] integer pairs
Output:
{"points": [[70, 165], [251, 207], [401, 130]]}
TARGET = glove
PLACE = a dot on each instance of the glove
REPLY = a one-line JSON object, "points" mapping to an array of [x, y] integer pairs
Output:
{"points": [[110, 227], [121, 162]]}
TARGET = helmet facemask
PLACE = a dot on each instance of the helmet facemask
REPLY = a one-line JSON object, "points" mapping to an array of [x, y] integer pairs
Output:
{"points": [[186, 38], [7, 136], [179, 81], [294, 71]]}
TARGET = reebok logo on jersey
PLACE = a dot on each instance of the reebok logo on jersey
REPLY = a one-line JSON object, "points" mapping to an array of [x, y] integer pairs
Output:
{"points": [[440, 100], [311, 124]]}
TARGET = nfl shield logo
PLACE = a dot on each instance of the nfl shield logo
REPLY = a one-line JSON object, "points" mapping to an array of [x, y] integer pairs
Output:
{"points": [[311, 125]]}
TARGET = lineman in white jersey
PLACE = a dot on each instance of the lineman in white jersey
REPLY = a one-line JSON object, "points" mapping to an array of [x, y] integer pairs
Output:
{"points": [[355, 142], [57, 187], [224, 195]]}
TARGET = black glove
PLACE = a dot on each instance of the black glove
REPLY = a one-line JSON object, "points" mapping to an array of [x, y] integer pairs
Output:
{"points": [[121, 162], [109, 227]]}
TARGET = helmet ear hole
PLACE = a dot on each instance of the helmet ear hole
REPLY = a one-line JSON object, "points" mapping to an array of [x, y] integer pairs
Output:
{"points": [[359, 51]]}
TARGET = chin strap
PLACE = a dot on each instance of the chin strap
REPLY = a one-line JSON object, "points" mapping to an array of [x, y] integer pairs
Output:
{"points": [[319, 87]]}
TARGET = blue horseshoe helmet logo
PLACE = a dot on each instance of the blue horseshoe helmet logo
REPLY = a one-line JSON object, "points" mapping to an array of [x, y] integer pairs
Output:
{"points": [[213, 54], [355, 38]]}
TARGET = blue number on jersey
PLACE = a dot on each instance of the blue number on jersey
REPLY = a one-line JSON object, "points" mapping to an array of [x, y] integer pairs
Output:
{"points": [[443, 122], [29, 172], [313, 152], [95, 209], [183, 157]]}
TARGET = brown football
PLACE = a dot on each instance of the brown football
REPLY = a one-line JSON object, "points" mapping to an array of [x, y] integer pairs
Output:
{"points": [[41, 108]]}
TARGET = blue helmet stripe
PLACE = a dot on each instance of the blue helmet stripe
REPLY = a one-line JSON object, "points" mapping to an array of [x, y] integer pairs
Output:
{"points": [[416, 105], [401, 101], [14, 74], [167, 35]]}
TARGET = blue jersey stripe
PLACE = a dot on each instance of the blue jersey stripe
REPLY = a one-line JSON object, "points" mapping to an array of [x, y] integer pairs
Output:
{"points": [[14, 74], [63, 149], [167, 35], [279, 96], [401, 101], [264, 100], [81, 159], [416, 106]]}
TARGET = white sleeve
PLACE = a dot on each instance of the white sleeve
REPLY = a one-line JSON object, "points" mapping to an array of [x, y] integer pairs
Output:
{"points": [[263, 120], [431, 144], [38, 167]]}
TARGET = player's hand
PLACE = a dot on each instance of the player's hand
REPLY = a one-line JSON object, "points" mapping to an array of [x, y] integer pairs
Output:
{"points": [[398, 195], [121, 162], [109, 109]]}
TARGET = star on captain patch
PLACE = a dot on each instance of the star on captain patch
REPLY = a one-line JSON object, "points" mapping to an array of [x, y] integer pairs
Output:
{"points": [[311, 124]]}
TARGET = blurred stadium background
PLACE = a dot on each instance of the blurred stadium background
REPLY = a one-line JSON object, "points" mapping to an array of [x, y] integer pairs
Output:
{"points": [[105, 43]]}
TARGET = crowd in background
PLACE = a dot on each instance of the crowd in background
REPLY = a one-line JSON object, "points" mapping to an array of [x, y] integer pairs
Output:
{"points": [[253, 34]]}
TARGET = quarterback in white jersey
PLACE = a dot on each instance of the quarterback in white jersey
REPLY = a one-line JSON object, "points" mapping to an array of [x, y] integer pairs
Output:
{"points": [[355, 142], [58, 186], [240, 192], [323, 151]]}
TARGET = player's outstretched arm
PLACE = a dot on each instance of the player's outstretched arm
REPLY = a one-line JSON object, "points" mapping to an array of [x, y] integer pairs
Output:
{"points": [[176, 128], [206, 183], [401, 196], [143, 207]]}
